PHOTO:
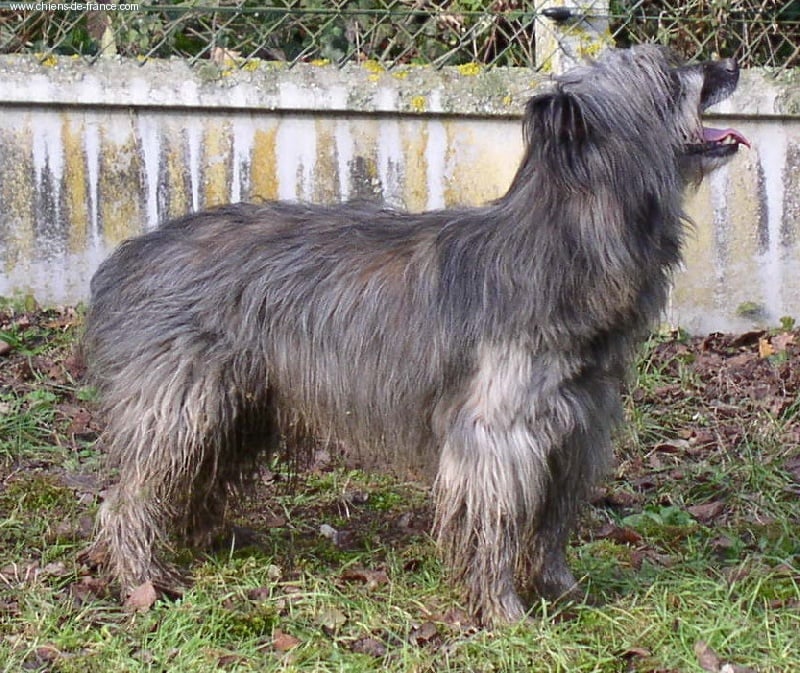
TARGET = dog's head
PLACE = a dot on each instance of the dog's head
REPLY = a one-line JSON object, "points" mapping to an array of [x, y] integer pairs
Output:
{"points": [[633, 112]]}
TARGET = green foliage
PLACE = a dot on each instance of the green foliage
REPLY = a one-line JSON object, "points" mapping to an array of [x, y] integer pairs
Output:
{"points": [[755, 32], [448, 32], [657, 518], [25, 421]]}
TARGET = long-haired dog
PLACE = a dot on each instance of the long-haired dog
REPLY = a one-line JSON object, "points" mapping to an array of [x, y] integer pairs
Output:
{"points": [[488, 342]]}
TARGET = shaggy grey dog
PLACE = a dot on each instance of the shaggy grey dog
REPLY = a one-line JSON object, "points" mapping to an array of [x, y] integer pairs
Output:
{"points": [[487, 343]]}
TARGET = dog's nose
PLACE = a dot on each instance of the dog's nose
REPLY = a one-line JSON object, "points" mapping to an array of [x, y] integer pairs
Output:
{"points": [[730, 65]]}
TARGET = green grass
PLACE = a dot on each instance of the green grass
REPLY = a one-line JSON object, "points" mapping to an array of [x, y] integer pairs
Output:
{"points": [[667, 577]]}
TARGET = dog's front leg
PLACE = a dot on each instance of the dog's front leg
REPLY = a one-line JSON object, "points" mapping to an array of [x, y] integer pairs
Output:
{"points": [[573, 467], [488, 490]]}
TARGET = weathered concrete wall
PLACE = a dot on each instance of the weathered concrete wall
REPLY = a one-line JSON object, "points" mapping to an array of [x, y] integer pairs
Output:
{"points": [[94, 154]]}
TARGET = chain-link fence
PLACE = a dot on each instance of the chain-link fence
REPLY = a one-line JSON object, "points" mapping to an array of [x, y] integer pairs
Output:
{"points": [[394, 32]]}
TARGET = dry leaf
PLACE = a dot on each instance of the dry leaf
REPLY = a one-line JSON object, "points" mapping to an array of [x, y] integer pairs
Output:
{"points": [[782, 341], [331, 620], [619, 534], [636, 653], [424, 633], [48, 653], [371, 578], [142, 598], [259, 594], [283, 642], [765, 348], [707, 511], [706, 657], [370, 646], [222, 56], [88, 589], [672, 446]]}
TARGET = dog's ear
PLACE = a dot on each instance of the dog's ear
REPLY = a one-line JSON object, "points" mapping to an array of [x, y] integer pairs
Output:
{"points": [[558, 138], [555, 117]]}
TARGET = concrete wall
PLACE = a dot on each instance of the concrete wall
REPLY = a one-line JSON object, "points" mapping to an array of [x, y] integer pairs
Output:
{"points": [[95, 154]]}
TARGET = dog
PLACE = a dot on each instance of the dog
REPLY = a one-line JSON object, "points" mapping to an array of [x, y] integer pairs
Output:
{"points": [[489, 344]]}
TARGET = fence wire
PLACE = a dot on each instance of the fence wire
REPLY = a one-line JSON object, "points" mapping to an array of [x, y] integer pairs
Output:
{"points": [[392, 32]]}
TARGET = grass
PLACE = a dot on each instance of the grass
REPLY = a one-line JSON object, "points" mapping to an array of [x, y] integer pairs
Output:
{"points": [[693, 540]]}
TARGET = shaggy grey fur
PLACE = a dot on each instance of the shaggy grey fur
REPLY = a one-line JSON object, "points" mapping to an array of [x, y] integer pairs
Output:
{"points": [[489, 343]]}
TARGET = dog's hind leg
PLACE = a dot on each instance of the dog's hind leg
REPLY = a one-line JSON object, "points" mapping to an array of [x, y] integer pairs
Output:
{"points": [[174, 437], [249, 430]]}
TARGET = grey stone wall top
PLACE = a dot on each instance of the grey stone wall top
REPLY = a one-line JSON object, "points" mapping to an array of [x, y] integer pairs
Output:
{"points": [[367, 88]]}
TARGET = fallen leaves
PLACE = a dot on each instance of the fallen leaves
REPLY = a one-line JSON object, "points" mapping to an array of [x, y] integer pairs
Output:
{"points": [[370, 646], [371, 579], [707, 512], [283, 642], [142, 598], [618, 534], [331, 619], [710, 661]]}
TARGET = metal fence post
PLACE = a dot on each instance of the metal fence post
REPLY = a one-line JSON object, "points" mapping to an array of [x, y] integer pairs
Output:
{"points": [[569, 31]]}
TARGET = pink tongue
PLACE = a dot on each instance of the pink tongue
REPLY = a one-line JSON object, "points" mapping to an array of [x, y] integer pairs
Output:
{"points": [[712, 135]]}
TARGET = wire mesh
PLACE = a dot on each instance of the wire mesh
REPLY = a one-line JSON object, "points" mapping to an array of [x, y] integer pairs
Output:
{"points": [[389, 32]]}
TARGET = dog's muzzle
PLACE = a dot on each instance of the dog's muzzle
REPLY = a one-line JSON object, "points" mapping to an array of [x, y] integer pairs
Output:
{"points": [[719, 81]]}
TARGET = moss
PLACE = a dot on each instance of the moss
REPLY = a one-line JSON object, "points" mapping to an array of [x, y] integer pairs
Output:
{"points": [[750, 309], [470, 69], [209, 72], [35, 493], [247, 621], [373, 66], [418, 103], [591, 49]]}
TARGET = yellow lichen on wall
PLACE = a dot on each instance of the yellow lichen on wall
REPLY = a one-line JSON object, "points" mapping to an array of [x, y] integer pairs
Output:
{"points": [[416, 192], [119, 204], [722, 268], [216, 179], [744, 203], [470, 69], [264, 181], [75, 184], [179, 201], [453, 194], [16, 191], [419, 103], [373, 66], [485, 162], [326, 168]]}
